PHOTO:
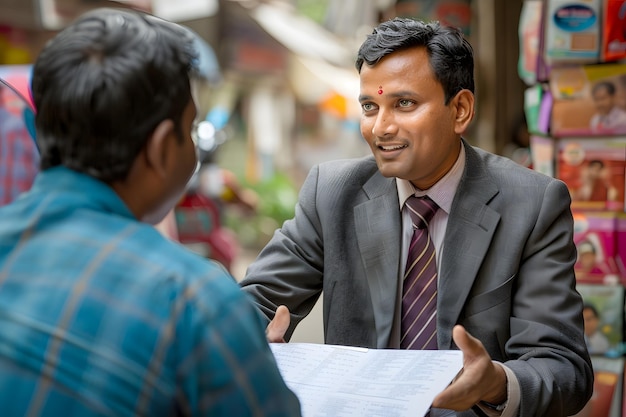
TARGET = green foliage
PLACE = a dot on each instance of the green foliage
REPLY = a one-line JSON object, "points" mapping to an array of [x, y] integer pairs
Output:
{"points": [[277, 200], [278, 197]]}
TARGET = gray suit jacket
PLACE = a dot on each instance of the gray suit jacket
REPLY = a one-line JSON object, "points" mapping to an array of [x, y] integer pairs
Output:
{"points": [[506, 272]]}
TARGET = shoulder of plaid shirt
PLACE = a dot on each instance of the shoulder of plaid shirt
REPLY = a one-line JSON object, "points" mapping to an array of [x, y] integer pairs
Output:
{"points": [[102, 315]]}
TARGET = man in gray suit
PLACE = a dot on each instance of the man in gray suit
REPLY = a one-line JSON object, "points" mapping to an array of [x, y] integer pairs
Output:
{"points": [[503, 236]]}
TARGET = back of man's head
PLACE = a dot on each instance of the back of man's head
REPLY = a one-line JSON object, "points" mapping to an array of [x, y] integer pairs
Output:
{"points": [[103, 84]]}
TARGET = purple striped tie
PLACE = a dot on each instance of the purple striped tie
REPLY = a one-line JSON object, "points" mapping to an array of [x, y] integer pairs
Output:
{"points": [[419, 293]]}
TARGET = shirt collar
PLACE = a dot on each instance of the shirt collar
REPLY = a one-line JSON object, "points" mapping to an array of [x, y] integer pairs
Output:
{"points": [[442, 192], [85, 191]]}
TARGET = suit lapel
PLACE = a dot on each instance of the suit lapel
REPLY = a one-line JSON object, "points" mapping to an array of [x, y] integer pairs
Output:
{"points": [[471, 226], [378, 226]]}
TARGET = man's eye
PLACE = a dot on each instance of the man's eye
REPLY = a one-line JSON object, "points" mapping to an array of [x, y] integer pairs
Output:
{"points": [[367, 106]]}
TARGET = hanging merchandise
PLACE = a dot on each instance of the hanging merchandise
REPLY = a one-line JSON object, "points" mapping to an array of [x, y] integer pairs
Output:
{"points": [[593, 169], [572, 31], [614, 30], [537, 107], [529, 33], [577, 106], [588, 100]]}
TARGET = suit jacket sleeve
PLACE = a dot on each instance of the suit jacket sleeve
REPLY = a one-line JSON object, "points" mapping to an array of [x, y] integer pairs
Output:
{"points": [[546, 342], [343, 241], [289, 270]]}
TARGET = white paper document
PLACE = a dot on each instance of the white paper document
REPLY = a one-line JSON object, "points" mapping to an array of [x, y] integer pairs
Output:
{"points": [[340, 381]]}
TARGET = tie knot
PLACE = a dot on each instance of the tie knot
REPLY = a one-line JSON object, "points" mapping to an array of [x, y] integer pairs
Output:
{"points": [[421, 209]]}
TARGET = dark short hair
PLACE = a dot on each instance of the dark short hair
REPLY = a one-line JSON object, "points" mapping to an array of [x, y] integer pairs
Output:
{"points": [[103, 84], [450, 55]]}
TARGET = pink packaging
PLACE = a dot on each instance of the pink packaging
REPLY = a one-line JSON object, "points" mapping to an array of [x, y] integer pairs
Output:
{"points": [[600, 239]]}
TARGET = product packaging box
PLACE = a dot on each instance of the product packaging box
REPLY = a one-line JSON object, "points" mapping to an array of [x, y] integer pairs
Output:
{"points": [[530, 31], [537, 109], [594, 171], [572, 31], [603, 314], [589, 100], [600, 238], [613, 30]]}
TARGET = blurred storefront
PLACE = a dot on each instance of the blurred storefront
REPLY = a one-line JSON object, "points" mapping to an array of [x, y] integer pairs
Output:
{"points": [[289, 78], [288, 92], [296, 85]]}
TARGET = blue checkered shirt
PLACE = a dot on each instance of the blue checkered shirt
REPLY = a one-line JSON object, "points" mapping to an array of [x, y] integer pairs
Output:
{"points": [[100, 315]]}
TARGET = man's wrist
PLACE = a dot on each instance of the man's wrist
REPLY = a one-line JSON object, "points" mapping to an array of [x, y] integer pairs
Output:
{"points": [[498, 391], [503, 406]]}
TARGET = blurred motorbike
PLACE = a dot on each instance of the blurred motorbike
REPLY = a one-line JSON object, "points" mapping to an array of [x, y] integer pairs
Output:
{"points": [[199, 213], [199, 216]]}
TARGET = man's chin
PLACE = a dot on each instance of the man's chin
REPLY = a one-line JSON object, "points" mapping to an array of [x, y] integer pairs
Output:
{"points": [[390, 169]]}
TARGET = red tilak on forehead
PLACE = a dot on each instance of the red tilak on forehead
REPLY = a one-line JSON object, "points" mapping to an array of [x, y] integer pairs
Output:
{"points": [[380, 89]]}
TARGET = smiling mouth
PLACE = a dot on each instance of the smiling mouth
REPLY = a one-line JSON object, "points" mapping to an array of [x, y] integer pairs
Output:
{"points": [[391, 147]]}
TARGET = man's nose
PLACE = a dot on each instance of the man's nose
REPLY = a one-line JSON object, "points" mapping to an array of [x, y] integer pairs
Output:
{"points": [[385, 124]]}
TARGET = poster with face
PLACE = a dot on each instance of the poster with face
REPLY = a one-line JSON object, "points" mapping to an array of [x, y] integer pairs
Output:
{"points": [[594, 171], [589, 100], [603, 315]]}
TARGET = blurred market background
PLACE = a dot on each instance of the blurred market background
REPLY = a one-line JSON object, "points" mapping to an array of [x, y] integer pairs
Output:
{"points": [[280, 90]]}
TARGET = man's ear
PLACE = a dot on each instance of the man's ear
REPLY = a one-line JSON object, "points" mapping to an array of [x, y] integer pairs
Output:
{"points": [[464, 103], [157, 147]]}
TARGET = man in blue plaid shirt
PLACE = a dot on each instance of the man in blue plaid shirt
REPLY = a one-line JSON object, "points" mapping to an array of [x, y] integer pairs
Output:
{"points": [[100, 315]]}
